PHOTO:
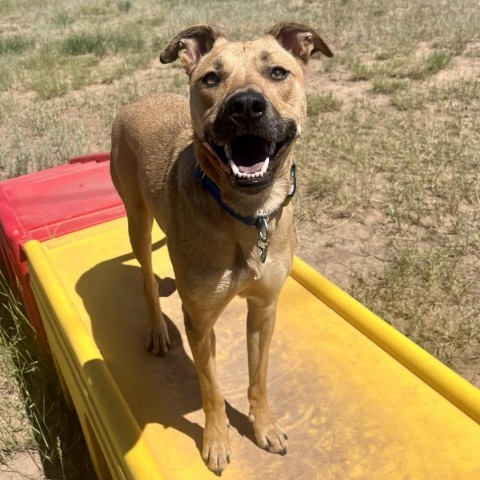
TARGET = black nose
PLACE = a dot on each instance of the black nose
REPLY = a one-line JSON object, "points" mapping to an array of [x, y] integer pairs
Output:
{"points": [[246, 106]]}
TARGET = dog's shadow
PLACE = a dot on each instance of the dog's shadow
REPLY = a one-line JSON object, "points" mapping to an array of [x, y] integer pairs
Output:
{"points": [[162, 390]]}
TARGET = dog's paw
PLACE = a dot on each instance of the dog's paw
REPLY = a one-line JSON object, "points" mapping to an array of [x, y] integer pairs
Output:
{"points": [[216, 448], [269, 435], [158, 342]]}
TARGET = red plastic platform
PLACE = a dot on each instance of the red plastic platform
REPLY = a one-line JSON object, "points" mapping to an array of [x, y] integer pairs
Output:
{"points": [[50, 203]]}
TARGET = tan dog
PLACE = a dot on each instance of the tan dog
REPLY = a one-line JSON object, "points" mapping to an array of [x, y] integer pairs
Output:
{"points": [[209, 171]]}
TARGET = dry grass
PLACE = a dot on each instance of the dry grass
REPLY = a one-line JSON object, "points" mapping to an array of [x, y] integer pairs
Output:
{"points": [[389, 204], [37, 426]]}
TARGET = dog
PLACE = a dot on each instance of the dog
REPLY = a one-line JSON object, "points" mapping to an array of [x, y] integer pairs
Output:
{"points": [[217, 173]]}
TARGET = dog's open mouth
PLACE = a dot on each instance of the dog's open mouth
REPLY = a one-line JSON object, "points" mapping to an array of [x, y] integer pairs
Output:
{"points": [[252, 159]]}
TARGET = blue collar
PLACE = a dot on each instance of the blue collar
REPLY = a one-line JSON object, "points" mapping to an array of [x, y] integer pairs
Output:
{"points": [[260, 222]]}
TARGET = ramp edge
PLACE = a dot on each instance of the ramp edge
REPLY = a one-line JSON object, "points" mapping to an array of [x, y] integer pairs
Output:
{"points": [[90, 379]]}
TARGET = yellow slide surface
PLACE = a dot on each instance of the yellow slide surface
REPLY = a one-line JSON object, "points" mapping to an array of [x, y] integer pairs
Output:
{"points": [[358, 400]]}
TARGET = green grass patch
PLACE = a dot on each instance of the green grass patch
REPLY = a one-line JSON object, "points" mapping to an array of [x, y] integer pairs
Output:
{"points": [[387, 86], [410, 68], [437, 61], [317, 104], [431, 65], [326, 184], [359, 71], [49, 86], [50, 74], [63, 19], [83, 43], [408, 99], [15, 45], [124, 5], [95, 9], [457, 93], [6, 76], [128, 38]]}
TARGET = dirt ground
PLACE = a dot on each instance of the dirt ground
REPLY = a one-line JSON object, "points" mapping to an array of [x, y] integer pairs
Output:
{"points": [[23, 466]]}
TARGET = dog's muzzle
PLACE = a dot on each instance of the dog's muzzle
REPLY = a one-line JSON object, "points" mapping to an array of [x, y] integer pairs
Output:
{"points": [[251, 138]]}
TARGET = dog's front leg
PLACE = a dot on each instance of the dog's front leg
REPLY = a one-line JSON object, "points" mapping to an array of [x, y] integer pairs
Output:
{"points": [[216, 445], [260, 325], [140, 223]]}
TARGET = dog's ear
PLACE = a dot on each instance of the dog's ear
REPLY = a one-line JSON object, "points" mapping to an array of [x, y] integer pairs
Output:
{"points": [[190, 45], [301, 41]]}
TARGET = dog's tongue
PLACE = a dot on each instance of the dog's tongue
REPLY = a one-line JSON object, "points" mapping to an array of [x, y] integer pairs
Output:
{"points": [[249, 152]]}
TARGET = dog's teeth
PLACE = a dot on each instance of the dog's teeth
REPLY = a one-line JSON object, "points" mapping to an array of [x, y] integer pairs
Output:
{"points": [[234, 168], [258, 174], [272, 149], [265, 165]]}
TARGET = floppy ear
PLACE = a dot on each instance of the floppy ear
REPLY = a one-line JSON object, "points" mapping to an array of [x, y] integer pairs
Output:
{"points": [[190, 45], [301, 41]]}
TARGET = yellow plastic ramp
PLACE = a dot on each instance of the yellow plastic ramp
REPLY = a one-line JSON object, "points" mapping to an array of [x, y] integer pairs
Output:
{"points": [[358, 400]]}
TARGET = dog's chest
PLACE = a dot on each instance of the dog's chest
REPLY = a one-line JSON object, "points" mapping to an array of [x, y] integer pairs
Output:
{"points": [[243, 271], [245, 276], [215, 268], [251, 276]]}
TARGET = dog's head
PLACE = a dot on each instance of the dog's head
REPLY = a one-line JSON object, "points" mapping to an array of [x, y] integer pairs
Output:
{"points": [[247, 99]]}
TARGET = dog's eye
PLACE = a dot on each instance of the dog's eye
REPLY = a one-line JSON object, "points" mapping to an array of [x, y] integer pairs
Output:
{"points": [[211, 79], [278, 73]]}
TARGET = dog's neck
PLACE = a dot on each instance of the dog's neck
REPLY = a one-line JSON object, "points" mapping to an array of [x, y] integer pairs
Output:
{"points": [[260, 221], [251, 220]]}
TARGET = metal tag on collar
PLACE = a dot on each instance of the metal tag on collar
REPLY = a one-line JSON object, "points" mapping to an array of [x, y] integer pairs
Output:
{"points": [[263, 234]]}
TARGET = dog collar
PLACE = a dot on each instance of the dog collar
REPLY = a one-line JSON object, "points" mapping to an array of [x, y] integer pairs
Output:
{"points": [[260, 222]]}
